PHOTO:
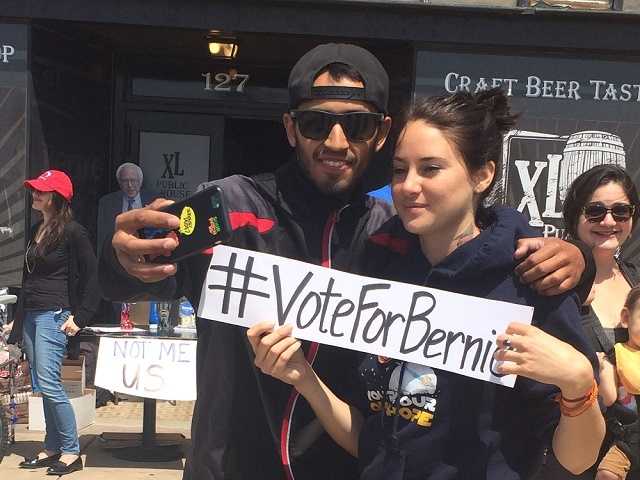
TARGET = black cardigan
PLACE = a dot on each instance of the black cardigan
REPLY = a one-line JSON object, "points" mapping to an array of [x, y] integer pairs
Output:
{"points": [[590, 322], [84, 294]]}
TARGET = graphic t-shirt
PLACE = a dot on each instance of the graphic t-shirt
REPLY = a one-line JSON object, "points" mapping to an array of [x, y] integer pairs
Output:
{"points": [[411, 405], [418, 393]]}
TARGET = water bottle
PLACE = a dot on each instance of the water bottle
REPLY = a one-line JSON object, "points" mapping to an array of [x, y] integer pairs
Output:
{"points": [[154, 316], [187, 315]]}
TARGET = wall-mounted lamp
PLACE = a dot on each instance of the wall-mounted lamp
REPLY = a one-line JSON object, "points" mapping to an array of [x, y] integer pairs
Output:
{"points": [[221, 45]]}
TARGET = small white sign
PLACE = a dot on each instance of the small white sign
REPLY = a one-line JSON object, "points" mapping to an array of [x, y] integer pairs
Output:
{"points": [[431, 327], [148, 367], [174, 164]]}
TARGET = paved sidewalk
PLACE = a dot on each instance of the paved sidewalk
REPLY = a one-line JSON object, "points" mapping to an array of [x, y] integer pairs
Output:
{"points": [[99, 463]]}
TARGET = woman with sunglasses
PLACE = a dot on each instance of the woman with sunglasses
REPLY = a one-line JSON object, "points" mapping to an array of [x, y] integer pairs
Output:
{"points": [[601, 209], [59, 296], [411, 422]]}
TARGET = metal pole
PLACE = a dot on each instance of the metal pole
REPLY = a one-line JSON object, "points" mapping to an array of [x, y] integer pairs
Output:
{"points": [[149, 422]]}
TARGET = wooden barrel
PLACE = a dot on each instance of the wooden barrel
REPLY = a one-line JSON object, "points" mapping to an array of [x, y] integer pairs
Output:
{"points": [[585, 150]]}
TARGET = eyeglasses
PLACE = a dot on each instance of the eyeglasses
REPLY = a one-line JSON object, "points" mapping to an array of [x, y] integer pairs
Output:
{"points": [[621, 212], [357, 126], [128, 181]]}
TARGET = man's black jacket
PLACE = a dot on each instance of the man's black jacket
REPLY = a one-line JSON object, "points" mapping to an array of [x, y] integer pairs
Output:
{"points": [[246, 425]]}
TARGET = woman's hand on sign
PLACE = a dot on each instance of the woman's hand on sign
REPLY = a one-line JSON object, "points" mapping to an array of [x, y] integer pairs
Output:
{"points": [[530, 352], [278, 354], [130, 249], [549, 265]]}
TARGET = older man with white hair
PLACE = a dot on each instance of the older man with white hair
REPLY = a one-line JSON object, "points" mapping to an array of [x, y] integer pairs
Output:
{"points": [[130, 196]]}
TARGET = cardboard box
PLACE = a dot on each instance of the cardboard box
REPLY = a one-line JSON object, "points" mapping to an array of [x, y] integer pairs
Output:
{"points": [[73, 376], [74, 388], [84, 408]]}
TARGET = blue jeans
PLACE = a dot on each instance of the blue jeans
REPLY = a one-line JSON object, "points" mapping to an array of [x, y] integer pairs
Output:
{"points": [[45, 346]]}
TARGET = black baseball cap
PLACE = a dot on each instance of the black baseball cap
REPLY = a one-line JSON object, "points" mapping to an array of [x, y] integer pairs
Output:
{"points": [[305, 71]]}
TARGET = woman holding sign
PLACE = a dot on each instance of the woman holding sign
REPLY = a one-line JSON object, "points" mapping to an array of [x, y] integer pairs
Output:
{"points": [[59, 296], [408, 421]]}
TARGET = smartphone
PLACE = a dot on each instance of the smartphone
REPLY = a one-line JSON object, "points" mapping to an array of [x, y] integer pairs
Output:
{"points": [[204, 222]]}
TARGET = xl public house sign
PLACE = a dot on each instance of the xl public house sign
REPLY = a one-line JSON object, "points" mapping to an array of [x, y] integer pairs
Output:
{"points": [[574, 114]]}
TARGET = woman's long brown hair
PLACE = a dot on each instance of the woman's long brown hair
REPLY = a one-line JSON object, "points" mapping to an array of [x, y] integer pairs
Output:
{"points": [[55, 229]]}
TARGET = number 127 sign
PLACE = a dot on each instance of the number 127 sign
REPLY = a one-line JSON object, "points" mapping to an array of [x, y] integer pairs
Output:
{"points": [[225, 82]]}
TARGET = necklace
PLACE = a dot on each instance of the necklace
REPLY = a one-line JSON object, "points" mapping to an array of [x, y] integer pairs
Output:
{"points": [[30, 268], [33, 243]]}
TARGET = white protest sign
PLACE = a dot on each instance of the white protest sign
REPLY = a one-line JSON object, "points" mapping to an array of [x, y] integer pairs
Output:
{"points": [[148, 367], [422, 325]]}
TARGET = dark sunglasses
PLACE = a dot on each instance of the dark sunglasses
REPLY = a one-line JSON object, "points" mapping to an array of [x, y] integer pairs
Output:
{"points": [[621, 212], [357, 126]]}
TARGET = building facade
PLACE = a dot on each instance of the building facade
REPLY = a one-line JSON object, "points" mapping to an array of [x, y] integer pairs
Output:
{"points": [[91, 84]]}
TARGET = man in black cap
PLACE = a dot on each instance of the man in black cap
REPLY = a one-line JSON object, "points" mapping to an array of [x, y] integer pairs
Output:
{"points": [[247, 425]]}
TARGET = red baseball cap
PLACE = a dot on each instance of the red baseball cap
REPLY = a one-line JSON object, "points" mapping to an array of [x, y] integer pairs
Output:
{"points": [[52, 181]]}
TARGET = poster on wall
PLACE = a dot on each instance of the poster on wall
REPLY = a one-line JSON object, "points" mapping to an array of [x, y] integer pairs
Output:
{"points": [[13, 151], [575, 114], [174, 164]]}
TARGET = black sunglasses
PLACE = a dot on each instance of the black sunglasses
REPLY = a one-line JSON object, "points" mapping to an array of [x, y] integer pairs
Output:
{"points": [[621, 212], [357, 126]]}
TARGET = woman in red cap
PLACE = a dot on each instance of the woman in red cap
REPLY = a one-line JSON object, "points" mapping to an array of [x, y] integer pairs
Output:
{"points": [[59, 296]]}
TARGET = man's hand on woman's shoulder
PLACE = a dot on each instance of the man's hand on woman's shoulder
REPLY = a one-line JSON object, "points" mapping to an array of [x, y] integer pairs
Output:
{"points": [[549, 265]]}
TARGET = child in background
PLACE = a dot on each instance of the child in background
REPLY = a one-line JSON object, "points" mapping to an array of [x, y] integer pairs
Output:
{"points": [[620, 391]]}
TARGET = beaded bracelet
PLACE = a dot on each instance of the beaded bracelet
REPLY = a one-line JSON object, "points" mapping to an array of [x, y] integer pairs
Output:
{"points": [[578, 405]]}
